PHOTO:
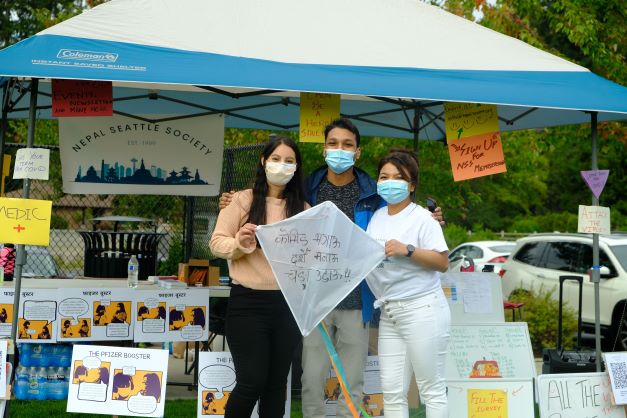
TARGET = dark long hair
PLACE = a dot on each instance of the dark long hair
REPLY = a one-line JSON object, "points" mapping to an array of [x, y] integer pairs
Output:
{"points": [[294, 192]]}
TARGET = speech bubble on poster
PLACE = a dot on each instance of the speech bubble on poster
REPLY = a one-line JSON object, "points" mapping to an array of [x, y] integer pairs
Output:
{"points": [[128, 370], [218, 377], [25, 221], [92, 362], [95, 392], [73, 307], [118, 330], [140, 404], [153, 326], [151, 303], [40, 310], [191, 332]]}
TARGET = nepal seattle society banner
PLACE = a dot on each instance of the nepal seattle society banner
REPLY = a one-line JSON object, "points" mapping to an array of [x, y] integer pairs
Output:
{"points": [[120, 155]]}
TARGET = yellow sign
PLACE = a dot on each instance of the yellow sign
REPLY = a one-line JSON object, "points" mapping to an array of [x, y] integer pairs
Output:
{"points": [[25, 221], [487, 403], [469, 119], [6, 169], [317, 110]]}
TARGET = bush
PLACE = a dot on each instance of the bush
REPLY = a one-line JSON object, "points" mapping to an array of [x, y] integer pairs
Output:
{"points": [[58, 222], [540, 312]]}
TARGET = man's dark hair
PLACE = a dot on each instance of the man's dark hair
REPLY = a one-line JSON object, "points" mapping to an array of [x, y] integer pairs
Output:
{"points": [[343, 123]]}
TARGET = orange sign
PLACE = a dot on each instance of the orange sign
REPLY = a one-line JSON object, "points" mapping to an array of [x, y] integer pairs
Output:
{"points": [[82, 98], [477, 156]]}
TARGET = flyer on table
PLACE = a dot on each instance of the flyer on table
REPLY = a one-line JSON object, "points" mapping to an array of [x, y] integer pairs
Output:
{"points": [[37, 318], [95, 314], [216, 380], [118, 381], [172, 315]]}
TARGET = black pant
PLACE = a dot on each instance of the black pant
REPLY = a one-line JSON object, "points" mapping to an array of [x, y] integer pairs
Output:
{"points": [[262, 336]]}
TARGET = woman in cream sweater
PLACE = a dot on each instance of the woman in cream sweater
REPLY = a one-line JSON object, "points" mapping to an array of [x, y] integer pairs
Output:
{"points": [[260, 328]]}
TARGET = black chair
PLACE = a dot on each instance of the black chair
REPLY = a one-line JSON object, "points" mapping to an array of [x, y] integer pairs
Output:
{"points": [[217, 319]]}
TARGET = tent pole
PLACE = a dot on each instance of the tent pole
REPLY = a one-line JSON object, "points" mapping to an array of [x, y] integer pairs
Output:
{"points": [[20, 258], [416, 131], [4, 123], [596, 271]]}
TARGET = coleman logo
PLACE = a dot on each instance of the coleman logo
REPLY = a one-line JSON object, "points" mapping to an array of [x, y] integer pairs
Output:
{"points": [[75, 54]]}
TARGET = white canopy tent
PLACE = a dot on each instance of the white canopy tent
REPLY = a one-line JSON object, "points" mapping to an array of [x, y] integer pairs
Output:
{"points": [[393, 62]]}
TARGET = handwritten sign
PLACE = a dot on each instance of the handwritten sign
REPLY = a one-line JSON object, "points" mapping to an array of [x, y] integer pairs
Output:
{"points": [[487, 403], [593, 220], [25, 221], [577, 395], [464, 120], [617, 370], [32, 163], [490, 350], [473, 297], [118, 381], [595, 179], [82, 98], [317, 110], [491, 398], [318, 257], [476, 156], [6, 169]]}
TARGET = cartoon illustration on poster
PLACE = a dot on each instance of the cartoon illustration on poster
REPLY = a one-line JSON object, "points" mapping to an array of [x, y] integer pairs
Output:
{"points": [[118, 381], [95, 315], [37, 318], [6, 312], [216, 380], [163, 315]]}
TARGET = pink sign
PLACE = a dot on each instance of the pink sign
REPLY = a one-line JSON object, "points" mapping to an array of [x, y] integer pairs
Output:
{"points": [[595, 179]]}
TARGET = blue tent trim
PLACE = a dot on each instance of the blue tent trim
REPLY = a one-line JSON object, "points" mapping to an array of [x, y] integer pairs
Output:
{"points": [[68, 57]]}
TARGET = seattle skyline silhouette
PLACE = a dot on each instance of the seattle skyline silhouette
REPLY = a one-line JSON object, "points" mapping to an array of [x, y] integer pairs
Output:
{"points": [[119, 173]]}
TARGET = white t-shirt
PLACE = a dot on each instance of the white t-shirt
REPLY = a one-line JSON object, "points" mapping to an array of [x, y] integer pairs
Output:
{"points": [[399, 278]]}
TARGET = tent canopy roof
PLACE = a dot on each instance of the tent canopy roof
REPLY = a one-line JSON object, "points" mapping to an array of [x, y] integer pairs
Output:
{"points": [[387, 59]]}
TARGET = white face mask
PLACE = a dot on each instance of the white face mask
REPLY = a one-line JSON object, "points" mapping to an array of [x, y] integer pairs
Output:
{"points": [[279, 174]]}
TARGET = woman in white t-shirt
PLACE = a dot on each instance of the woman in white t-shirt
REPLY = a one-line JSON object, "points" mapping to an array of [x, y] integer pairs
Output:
{"points": [[415, 317]]}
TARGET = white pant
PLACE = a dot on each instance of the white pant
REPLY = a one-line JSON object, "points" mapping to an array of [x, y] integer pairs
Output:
{"points": [[413, 334], [350, 337]]}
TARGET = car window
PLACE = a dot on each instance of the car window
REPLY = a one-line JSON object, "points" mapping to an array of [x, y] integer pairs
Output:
{"points": [[503, 248], [530, 253], [457, 253], [586, 261], [474, 252], [620, 252], [562, 256]]}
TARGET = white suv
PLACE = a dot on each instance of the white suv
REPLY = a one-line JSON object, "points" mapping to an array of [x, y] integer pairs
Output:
{"points": [[539, 259]]}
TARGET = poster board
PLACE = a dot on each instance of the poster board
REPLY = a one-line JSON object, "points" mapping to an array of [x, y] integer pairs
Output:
{"points": [[172, 315], [491, 398], [473, 297], [6, 312], [490, 350], [37, 317], [118, 381], [216, 380], [95, 315], [577, 395]]}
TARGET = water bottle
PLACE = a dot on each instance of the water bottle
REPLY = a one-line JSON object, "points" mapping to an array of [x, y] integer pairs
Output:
{"points": [[42, 384], [133, 272], [67, 374], [21, 383]]}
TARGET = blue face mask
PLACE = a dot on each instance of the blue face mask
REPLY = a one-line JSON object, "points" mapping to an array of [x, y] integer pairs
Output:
{"points": [[339, 160], [393, 191]]}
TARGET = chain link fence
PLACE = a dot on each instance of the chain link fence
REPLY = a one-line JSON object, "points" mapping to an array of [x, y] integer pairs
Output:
{"points": [[64, 257]]}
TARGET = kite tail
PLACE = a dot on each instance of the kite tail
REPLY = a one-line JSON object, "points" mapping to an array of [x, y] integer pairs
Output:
{"points": [[339, 372]]}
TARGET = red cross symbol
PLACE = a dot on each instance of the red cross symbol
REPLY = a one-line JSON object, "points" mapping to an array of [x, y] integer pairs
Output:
{"points": [[19, 228]]}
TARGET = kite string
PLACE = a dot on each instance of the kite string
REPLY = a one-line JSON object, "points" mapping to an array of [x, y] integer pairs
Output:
{"points": [[339, 372]]}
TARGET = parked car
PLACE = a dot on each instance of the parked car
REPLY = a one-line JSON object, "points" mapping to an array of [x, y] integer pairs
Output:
{"points": [[539, 260], [39, 263], [484, 253]]}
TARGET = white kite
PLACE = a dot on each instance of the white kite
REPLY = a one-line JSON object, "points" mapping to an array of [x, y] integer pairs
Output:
{"points": [[318, 257]]}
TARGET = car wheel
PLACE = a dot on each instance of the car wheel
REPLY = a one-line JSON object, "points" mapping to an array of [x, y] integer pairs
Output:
{"points": [[618, 336]]}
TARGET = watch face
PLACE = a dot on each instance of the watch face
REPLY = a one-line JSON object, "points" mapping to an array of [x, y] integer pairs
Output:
{"points": [[410, 250]]}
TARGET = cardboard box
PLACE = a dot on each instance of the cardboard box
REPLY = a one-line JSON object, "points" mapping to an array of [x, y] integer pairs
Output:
{"points": [[199, 271]]}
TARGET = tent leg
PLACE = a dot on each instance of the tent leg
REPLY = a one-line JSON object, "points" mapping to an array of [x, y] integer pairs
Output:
{"points": [[20, 258], [596, 272], [416, 129], [4, 123]]}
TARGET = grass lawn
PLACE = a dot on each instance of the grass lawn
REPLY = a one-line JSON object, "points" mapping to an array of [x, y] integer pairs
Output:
{"points": [[176, 408]]}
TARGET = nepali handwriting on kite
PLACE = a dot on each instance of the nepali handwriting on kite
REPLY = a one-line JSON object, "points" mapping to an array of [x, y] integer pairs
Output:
{"points": [[291, 237], [302, 276], [327, 241]]}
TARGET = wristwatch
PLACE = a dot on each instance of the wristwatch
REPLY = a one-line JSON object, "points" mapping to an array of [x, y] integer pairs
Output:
{"points": [[410, 250]]}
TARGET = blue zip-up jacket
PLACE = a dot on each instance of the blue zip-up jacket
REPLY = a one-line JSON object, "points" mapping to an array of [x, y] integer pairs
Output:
{"points": [[369, 201]]}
